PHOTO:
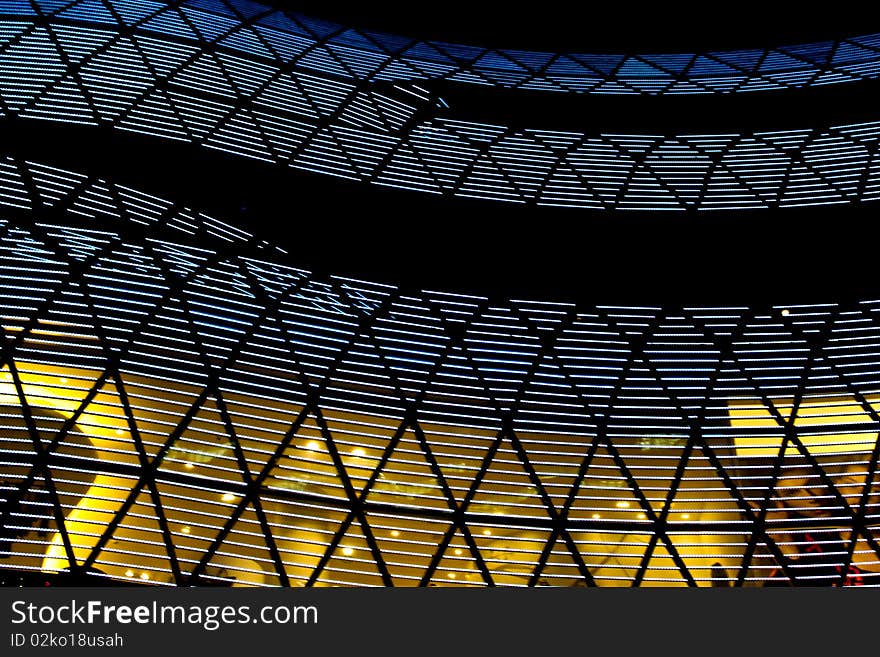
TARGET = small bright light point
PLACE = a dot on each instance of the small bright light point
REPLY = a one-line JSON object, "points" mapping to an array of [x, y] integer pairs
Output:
{"points": [[487, 532], [228, 497], [685, 516], [129, 573], [596, 516], [642, 516], [458, 551], [145, 576], [785, 312], [313, 446], [395, 533], [119, 432], [63, 379], [357, 451], [185, 529], [622, 505], [451, 575], [347, 551], [188, 466]]}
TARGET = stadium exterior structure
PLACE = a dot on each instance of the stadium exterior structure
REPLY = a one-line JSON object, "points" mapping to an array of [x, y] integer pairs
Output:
{"points": [[185, 403]]}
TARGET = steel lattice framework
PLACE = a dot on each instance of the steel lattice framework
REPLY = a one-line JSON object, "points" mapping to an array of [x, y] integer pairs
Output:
{"points": [[245, 79], [182, 405], [282, 38]]}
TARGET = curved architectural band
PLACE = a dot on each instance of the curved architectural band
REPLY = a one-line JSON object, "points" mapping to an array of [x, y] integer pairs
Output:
{"points": [[181, 405], [125, 65], [284, 40]]}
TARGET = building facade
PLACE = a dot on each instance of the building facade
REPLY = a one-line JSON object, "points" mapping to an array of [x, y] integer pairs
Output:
{"points": [[186, 400]]}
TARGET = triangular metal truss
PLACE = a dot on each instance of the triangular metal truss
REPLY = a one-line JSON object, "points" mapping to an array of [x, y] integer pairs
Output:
{"points": [[283, 37], [181, 405], [245, 79]]}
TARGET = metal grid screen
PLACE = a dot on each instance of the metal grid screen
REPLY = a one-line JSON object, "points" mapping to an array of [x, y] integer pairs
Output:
{"points": [[182, 406], [326, 48], [244, 79]]}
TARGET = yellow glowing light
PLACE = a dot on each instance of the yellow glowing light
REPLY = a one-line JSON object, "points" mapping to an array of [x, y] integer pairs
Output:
{"points": [[145, 576], [357, 451], [451, 575], [107, 494], [622, 505], [685, 516], [819, 422], [63, 380], [786, 312]]}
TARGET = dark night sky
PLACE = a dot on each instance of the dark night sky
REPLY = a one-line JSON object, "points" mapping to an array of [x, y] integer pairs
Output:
{"points": [[618, 25]]}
